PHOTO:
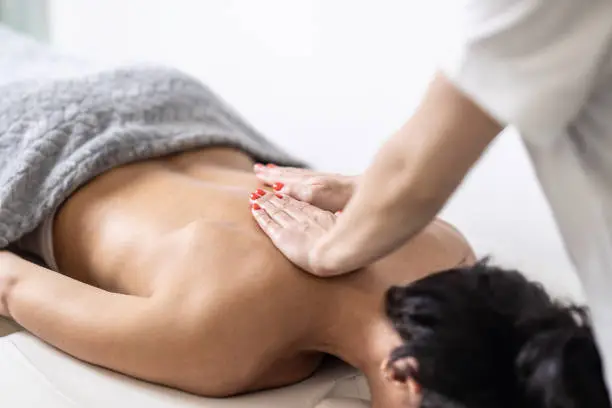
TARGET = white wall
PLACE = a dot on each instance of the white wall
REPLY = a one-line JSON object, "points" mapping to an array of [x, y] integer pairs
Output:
{"points": [[323, 72], [329, 80]]}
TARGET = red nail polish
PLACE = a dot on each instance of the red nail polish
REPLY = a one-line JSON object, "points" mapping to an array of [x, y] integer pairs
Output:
{"points": [[256, 206], [278, 186], [260, 192], [278, 196], [258, 165], [271, 165], [254, 196]]}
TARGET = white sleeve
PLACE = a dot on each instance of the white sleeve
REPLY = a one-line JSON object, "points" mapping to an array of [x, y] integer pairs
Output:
{"points": [[530, 63]]}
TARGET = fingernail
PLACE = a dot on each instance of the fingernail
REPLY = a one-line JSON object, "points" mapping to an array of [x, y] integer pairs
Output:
{"points": [[260, 192], [254, 196], [338, 212], [271, 165], [256, 206], [278, 196], [278, 186], [258, 166]]}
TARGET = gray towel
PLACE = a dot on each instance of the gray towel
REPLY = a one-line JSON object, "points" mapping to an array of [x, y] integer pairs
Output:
{"points": [[60, 128]]}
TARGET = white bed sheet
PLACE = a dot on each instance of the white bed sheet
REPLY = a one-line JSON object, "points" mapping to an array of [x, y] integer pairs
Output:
{"points": [[33, 374]]}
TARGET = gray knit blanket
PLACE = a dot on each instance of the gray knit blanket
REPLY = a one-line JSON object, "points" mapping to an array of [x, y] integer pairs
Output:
{"points": [[63, 122]]}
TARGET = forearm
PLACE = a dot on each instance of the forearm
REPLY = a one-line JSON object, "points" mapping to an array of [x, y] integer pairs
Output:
{"points": [[409, 180], [362, 234]]}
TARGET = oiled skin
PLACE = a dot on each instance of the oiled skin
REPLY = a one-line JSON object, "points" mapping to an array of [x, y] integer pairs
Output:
{"points": [[224, 312]]}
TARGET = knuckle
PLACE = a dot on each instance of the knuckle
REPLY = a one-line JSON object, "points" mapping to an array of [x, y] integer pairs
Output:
{"points": [[318, 181], [326, 218], [321, 186], [288, 189], [306, 193], [316, 189], [300, 205], [282, 203], [273, 212]]}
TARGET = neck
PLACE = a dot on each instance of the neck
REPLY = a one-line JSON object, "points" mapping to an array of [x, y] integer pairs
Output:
{"points": [[356, 330], [363, 340]]}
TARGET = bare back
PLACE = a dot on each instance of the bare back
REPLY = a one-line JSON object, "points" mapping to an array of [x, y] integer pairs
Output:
{"points": [[178, 231]]}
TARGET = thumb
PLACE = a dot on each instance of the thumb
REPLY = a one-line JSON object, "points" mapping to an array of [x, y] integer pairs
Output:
{"points": [[299, 191]]}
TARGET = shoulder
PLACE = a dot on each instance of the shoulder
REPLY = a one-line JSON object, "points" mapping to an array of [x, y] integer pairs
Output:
{"points": [[453, 243]]}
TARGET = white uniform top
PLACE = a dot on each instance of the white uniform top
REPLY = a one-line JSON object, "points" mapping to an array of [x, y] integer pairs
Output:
{"points": [[545, 67]]}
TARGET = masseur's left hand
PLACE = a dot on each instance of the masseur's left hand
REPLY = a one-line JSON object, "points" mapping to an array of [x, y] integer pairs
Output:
{"points": [[293, 226]]}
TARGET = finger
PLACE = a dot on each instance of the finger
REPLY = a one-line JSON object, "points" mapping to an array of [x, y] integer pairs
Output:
{"points": [[295, 186], [300, 191], [304, 212], [271, 205], [267, 223], [257, 194], [294, 208]]}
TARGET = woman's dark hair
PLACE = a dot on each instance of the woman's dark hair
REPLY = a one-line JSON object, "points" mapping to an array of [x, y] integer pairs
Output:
{"points": [[485, 337]]}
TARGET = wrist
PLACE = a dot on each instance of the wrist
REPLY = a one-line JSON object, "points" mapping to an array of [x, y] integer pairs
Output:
{"points": [[350, 185], [346, 187], [316, 261], [322, 261], [351, 181]]}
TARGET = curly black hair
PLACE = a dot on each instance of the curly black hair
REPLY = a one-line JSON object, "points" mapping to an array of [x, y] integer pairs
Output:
{"points": [[488, 337]]}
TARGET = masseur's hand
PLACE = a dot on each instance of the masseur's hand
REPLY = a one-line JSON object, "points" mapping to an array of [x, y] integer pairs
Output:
{"points": [[409, 181], [293, 226], [327, 191]]}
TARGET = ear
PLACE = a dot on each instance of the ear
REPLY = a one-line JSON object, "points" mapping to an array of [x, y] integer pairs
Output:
{"points": [[402, 373]]}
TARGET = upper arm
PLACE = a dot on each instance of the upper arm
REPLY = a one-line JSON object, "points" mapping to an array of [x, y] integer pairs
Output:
{"points": [[125, 333], [530, 63]]}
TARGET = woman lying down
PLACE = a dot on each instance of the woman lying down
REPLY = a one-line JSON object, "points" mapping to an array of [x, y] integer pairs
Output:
{"points": [[133, 188]]}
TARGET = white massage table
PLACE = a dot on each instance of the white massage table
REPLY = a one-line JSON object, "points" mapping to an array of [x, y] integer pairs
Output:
{"points": [[33, 374], [501, 211]]}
